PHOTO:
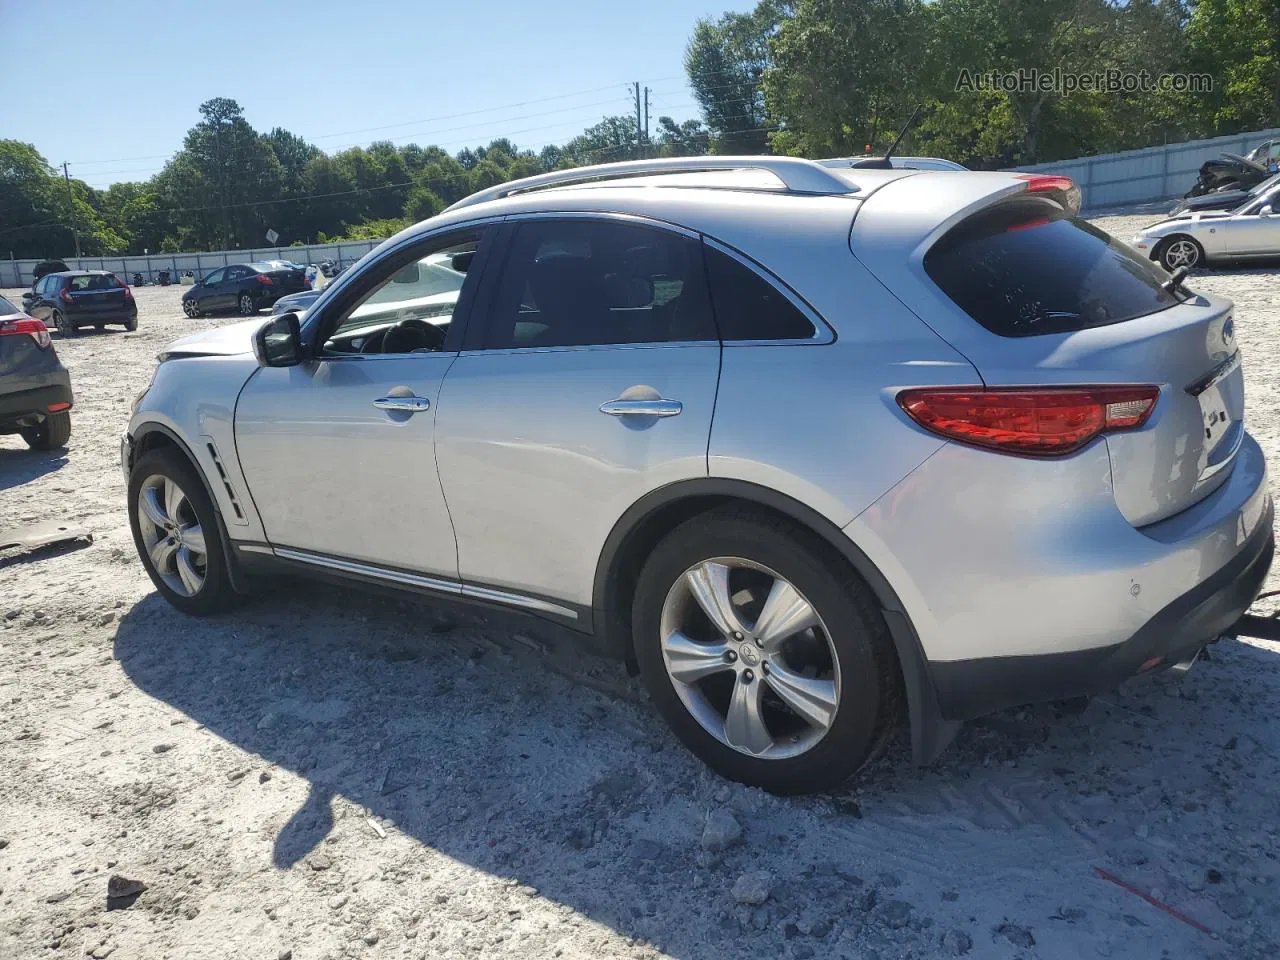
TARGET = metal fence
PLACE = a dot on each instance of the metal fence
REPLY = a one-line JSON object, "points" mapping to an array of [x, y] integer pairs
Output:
{"points": [[1149, 174], [17, 273]]}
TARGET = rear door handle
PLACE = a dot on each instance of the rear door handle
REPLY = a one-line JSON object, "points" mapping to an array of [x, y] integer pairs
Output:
{"points": [[403, 404], [661, 407]]}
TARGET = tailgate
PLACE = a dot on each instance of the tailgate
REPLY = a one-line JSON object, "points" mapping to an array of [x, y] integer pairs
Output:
{"points": [[1033, 297], [1184, 452]]}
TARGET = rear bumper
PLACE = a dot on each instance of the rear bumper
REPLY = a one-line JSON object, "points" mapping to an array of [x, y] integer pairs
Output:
{"points": [[36, 401], [1023, 581], [971, 688], [86, 319]]}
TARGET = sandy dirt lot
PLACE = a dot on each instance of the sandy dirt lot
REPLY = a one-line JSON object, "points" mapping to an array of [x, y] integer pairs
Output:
{"points": [[325, 775]]}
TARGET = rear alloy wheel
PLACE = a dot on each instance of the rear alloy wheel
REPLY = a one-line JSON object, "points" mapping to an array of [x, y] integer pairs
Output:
{"points": [[175, 530], [767, 656], [247, 307], [52, 433], [1180, 252], [63, 325]]}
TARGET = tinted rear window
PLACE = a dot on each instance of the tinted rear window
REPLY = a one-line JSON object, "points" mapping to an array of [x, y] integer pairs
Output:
{"points": [[1024, 268], [94, 281], [748, 307], [7, 308]]}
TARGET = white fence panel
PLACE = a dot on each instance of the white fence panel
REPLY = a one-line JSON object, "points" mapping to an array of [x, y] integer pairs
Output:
{"points": [[17, 273]]}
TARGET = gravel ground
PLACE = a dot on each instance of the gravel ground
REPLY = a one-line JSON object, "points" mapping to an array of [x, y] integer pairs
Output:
{"points": [[325, 774]]}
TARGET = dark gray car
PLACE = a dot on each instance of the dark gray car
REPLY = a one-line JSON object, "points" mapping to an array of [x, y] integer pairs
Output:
{"points": [[82, 298], [1223, 199], [35, 388]]}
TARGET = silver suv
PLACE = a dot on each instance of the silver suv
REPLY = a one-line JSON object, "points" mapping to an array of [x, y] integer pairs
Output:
{"points": [[807, 446]]}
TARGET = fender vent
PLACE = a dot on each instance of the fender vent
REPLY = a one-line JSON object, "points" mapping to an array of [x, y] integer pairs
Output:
{"points": [[226, 483]]}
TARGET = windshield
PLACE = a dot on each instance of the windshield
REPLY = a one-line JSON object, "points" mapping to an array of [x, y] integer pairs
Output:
{"points": [[1265, 185]]}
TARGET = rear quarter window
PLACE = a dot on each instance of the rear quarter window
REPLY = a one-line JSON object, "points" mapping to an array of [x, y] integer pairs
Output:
{"points": [[1025, 268], [749, 307]]}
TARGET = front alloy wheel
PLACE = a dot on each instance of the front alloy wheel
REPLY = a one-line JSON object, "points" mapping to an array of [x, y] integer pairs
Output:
{"points": [[749, 658], [189, 308], [1181, 252], [172, 535], [175, 528]]}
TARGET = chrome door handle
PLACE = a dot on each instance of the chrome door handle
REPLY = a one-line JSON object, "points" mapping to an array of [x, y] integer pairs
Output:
{"points": [[403, 404], [642, 408]]}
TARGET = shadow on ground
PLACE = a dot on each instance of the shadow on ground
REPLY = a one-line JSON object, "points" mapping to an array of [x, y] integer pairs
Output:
{"points": [[22, 465], [518, 753]]}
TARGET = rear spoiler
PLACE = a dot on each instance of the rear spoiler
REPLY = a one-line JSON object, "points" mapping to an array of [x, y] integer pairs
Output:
{"points": [[1062, 190]]}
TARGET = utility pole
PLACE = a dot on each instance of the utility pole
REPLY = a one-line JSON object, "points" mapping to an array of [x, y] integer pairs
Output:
{"points": [[646, 114], [71, 202], [639, 127]]}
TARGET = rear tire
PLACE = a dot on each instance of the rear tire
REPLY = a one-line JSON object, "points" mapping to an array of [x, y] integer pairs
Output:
{"points": [[100, 327], [205, 587], [845, 658], [131, 324], [63, 325], [52, 434]]}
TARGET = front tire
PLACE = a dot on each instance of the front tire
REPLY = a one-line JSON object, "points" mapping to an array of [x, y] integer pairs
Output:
{"points": [[175, 529], [247, 307], [51, 434], [807, 694], [1180, 251]]}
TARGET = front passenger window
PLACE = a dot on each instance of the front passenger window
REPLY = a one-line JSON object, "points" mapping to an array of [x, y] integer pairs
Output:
{"points": [[408, 306]]}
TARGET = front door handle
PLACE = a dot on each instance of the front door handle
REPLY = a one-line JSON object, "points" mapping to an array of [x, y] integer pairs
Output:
{"points": [[661, 407], [403, 404]]}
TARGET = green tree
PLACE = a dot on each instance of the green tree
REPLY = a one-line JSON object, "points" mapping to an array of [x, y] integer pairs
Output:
{"points": [[726, 60], [688, 139], [34, 218]]}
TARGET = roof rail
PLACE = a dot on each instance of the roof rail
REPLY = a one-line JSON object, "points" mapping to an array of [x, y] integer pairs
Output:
{"points": [[797, 175]]}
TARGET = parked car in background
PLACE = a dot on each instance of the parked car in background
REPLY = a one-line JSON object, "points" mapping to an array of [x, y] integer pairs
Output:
{"points": [[1249, 232], [409, 288], [35, 388], [88, 298], [804, 444], [243, 287], [894, 163], [47, 267], [1229, 172], [1223, 199]]}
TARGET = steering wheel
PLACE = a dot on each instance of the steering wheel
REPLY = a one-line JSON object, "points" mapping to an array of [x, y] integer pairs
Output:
{"points": [[411, 335]]}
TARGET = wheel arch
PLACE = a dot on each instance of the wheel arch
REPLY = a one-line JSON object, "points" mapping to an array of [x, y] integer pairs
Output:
{"points": [[157, 436], [640, 528]]}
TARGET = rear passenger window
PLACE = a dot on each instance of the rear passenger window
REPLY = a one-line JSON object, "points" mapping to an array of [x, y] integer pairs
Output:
{"points": [[580, 282], [1024, 268], [749, 307]]}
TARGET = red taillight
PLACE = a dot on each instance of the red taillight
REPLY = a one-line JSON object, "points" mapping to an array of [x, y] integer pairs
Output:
{"points": [[28, 326], [128, 293], [1063, 187], [1046, 182], [65, 296], [1040, 421], [264, 279]]}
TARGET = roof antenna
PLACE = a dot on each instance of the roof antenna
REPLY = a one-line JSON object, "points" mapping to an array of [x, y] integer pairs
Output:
{"points": [[882, 163]]}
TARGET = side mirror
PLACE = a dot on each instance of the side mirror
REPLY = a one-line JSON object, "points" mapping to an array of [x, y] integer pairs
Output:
{"points": [[278, 342], [1266, 211]]}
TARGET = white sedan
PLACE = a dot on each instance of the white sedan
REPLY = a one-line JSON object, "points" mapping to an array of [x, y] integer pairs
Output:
{"points": [[1250, 231]]}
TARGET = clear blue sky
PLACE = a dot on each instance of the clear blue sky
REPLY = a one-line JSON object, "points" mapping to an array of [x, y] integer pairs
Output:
{"points": [[329, 70]]}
